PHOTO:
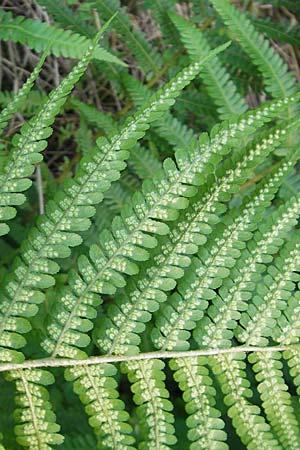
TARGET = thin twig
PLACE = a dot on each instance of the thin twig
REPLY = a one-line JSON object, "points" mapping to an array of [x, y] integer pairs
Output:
{"points": [[64, 362]]}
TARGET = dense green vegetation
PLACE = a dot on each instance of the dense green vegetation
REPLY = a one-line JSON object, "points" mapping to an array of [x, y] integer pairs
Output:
{"points": [[149, 208]]}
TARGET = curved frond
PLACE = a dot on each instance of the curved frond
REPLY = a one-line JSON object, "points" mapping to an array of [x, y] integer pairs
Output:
{"points": [[246, 417], [185, 308], [69, 211], [276, 399], [278, 79], [204, 422], [272, 295], [16, 103], [30, 142], [97, 390], [36, 427], [215, 76], [153, 411], [39, 36], [215, 329], [126, 317]]}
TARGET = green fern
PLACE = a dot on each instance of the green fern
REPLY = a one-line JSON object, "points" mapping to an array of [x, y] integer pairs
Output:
{"points": [[200, 258], [39, 36], [215, 77], [278, 80]]}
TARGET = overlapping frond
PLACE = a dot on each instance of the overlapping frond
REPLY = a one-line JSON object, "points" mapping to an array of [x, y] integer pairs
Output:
{"points": [[39, 35], [17, 101], [97, 389], [70, 210], [276, 400], [279, 81], [35, 422], [133, 233], [28, 145], [246, 417], [206, 427], [186, 307], [215, 329], [151, 396], [215, 76], [147, 58]]}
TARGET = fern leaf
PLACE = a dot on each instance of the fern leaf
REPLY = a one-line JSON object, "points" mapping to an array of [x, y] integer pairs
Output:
{"points": [[272, 294], [170, 128], [39, 36], [118, 333], [36, 427], [30, 142], [246, 418], [204, 422], [64, 15], [222, 316], [96, 388], [16, 103], [221, 89], [185, 308], [70, 209], [278, 80], [147, 59], [151, 396], [276, 399], [102, 272]]}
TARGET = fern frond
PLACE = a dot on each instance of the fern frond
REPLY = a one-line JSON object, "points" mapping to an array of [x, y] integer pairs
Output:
{"points": [[276, 399], [246, 418], [64, 15], [278, 80], [39, 35], [70, 210], [147, 58], [30, 142], [170, 128], [118, 333], [215, 329], [272, 294], [16, 103], [204, 422], [36, 428], [185, 308], [151, 396], [215, 77], [132, 233], [96, 388]]}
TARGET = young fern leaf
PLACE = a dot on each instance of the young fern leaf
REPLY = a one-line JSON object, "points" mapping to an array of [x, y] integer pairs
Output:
{"points": [[151, 396], [272, 295], [31, 141], [215, 77], [97, 389], [39, 36], [70, 209], [185, 308], [278, 80], [17, 102], [36, 428], [215, 329], [204, 422], [146, 57], [276, 399], [250, 425], [126, 317]]}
